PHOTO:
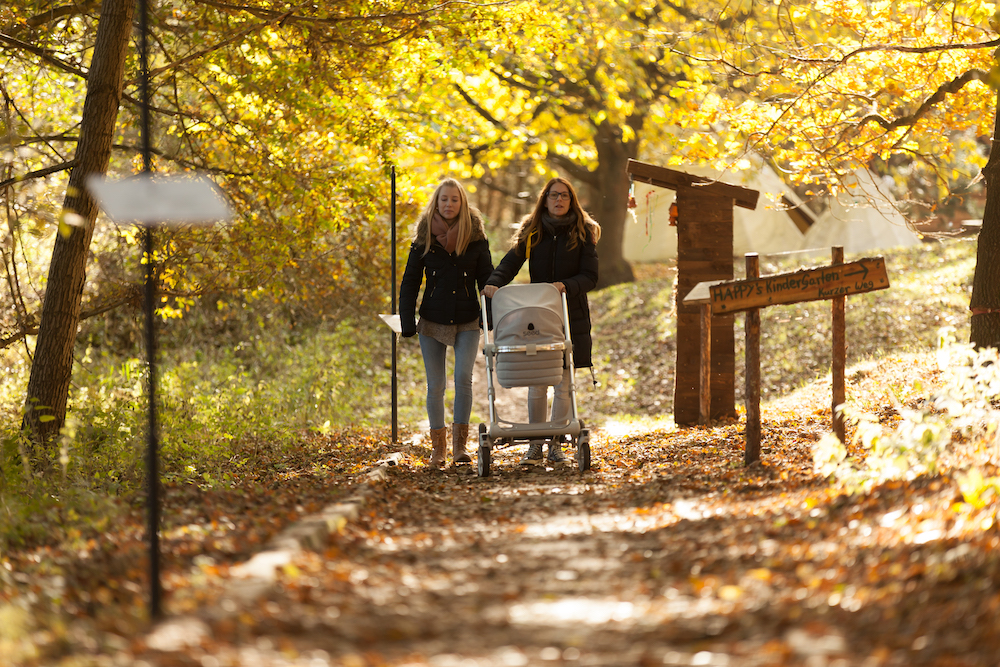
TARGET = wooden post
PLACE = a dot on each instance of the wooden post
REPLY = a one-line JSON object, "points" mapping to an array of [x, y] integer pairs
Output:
{"points": [[839, 353], [705, 368], [704, 253], [751, 453]]}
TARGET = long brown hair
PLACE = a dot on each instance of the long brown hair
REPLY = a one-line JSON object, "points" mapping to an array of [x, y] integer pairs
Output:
{"points": [[464, 223], [586, 228]]}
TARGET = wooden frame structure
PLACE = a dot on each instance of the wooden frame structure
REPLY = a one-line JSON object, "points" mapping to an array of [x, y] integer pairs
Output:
{"points": [[704, 253], [834, 282]]}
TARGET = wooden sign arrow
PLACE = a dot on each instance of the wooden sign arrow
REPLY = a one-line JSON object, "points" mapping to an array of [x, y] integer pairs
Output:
{"points": [[826, 282]]}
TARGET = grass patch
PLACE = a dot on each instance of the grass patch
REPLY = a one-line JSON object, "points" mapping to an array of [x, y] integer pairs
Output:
{"points": [[635, 325]]}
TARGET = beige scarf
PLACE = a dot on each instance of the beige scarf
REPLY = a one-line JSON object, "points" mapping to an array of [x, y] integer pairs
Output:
{"points": [[446, 233]]}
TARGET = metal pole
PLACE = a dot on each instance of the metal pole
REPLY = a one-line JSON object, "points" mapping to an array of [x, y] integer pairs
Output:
{"points": [[152, 463], [392, 280]]}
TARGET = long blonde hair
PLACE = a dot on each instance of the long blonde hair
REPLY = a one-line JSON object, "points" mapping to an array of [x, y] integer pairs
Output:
{"points": [[586, 228], [423, 233]]}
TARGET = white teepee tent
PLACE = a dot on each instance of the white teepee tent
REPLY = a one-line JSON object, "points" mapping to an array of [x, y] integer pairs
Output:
{"points": [[767, 229], [862, 218]]}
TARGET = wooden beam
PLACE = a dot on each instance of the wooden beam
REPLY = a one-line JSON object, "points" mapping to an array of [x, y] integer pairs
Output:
{"points": [[705, 368], [751, 452], [672, 179]]}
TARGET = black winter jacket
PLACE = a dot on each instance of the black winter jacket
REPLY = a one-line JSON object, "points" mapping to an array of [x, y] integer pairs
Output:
{"points": [[451, 293], [552, 260]]}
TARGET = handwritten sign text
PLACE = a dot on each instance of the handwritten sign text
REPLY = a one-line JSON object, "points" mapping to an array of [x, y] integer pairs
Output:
{"points": [[827, 282]]}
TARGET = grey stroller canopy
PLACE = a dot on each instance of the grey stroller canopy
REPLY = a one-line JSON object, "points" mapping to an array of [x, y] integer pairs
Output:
{"points": [[529, 335]]}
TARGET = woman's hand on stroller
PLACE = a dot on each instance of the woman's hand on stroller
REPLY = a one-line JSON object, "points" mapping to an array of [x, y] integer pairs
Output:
{"points": [[559, 286], [489, 291]]}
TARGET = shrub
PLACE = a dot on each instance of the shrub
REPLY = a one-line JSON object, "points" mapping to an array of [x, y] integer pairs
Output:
{"points": [[957, 423]]}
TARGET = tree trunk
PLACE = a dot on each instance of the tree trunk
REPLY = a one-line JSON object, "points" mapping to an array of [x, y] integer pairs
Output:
{"points": [[612, 187], [48, 385], [985, 302]]}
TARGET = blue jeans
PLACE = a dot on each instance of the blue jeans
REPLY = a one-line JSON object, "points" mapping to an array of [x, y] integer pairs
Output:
{"points": [[434, 352]]}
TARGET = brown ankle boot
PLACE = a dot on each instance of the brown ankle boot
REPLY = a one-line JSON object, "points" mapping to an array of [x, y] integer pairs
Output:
{"points": [[459, 436], [439, 446]]}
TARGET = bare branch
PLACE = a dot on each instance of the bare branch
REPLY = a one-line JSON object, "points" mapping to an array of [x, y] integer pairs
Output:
{"points": [[291, 17], [486, 115], [57, 13], [224, 43], [945, 89], [7, 341], [833, 63], [39, 173], [934, 48], [575, 170], [32, 330], [44, 54]]}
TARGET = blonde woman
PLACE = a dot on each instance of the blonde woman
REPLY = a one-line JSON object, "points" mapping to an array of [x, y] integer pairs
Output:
{"points": [[558, 240], [451, 251]]}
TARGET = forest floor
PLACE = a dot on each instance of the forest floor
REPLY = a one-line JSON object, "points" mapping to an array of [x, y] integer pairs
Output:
{"points": [[668, 552]]}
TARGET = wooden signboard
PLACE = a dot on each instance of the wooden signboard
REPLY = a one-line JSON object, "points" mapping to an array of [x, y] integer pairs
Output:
{"points": [[832, 282], [827, 282]]}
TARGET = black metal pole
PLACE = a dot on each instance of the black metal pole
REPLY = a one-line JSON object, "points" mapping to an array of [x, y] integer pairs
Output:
{"points": [[392, 280], [152, 463]]}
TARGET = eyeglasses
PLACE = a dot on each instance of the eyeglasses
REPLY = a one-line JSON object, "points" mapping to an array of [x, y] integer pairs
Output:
{"points": [[556, 196]]}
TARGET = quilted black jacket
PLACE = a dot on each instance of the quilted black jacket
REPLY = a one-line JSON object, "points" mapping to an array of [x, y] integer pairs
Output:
{"points": [[453, 282]]}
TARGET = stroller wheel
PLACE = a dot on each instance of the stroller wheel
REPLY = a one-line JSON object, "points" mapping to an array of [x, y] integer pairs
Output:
{"points": [[483, 462], [583, 451]]}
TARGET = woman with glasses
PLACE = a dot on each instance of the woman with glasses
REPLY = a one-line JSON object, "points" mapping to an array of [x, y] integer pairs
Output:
{"points": [[450, 249], [558, 239]]}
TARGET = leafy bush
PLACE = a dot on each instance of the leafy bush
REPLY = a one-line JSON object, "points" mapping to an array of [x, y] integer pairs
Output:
{"points": [[961, 417]]}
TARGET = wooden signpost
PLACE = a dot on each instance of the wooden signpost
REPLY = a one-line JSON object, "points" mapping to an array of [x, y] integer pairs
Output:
{"points": [[704, 253], [834, 282], [825, 282]]}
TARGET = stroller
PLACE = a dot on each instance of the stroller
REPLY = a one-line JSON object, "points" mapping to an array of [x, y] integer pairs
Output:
{"points": [[529, 346]]}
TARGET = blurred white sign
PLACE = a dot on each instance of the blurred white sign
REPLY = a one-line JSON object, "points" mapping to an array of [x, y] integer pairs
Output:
{"points": [[392, 321], [161, 199]]}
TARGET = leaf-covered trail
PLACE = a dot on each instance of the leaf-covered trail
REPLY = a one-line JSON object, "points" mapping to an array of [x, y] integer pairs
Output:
{"points": [[669, 552]]}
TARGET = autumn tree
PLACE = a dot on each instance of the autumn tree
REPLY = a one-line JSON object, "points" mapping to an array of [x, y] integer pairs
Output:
{"points": [[286, 106], [48, 387], [827, 88], [582, 89]]}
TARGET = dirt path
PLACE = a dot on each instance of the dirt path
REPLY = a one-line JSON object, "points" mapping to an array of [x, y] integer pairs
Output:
{"points": [[525, 567], [664, 554]]}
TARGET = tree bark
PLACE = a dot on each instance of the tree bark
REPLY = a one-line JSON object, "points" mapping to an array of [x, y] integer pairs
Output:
{"points": [[985, 302], [611, 211], [48, 384]]}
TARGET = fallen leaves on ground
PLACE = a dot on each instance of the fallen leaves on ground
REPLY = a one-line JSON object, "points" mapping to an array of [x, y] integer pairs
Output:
{"points": [[670, 551]]}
